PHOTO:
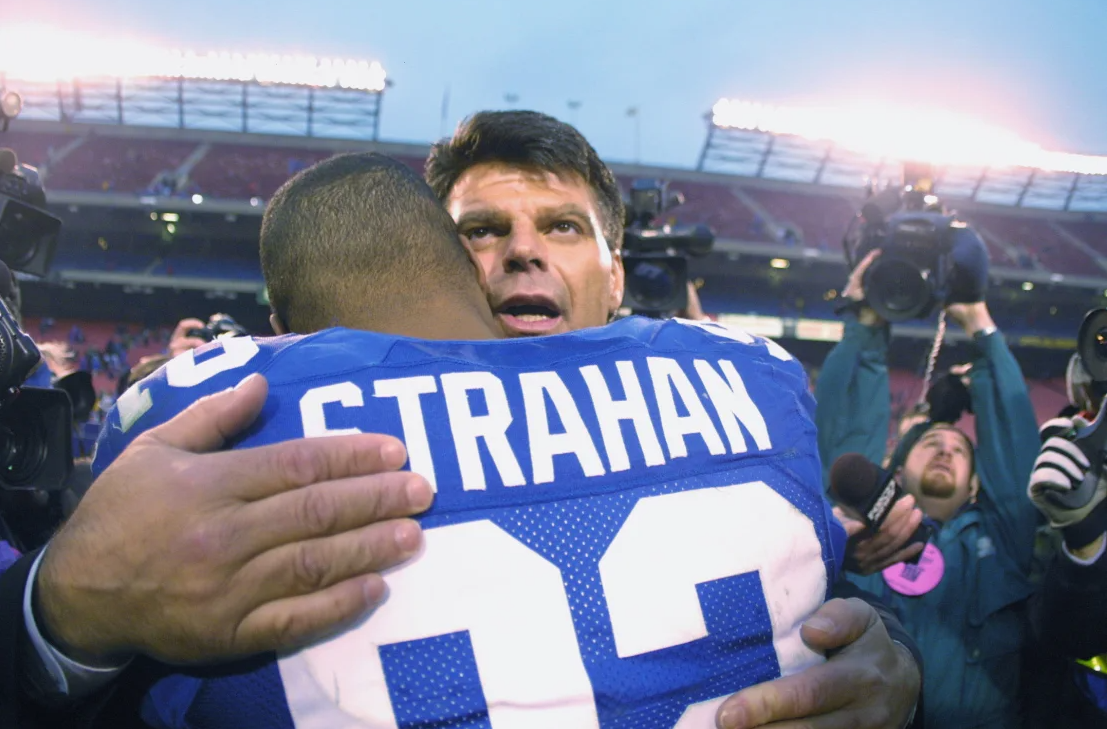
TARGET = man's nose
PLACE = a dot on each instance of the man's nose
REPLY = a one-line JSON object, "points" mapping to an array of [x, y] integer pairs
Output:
{"points": [[526, 250]]}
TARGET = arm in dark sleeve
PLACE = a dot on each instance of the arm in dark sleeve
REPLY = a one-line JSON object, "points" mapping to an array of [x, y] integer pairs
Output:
{"points": [[1067, 614], [845, 590], [852, 393], [18, 707], [1006, 445]]}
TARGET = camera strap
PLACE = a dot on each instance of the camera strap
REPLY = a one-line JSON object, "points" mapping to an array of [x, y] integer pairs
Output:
{"points": [[932, 358]]}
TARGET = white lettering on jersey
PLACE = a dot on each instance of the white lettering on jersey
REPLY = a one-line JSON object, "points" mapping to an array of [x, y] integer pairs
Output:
{"points": [[512, 602], [733, 405], [544, 445], [468, 428], [692, 537], [184, 371], [132, 405], [311, 408], [669, 380], [473, 577], [737, 335], [610, 412], [407, 391]]}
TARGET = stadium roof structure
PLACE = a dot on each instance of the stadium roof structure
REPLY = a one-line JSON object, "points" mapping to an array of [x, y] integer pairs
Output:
{"points": [[853, 148], [111, 81]]}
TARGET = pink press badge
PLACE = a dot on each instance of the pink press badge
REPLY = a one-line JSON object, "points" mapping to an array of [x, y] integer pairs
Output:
{"points": [[917, 579]]}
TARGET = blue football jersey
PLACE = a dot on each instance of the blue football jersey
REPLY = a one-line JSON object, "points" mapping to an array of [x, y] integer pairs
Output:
{"points": [[629, 526]]}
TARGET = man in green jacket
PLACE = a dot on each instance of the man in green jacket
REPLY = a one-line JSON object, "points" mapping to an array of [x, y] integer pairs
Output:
{"points": [[969, 623]]}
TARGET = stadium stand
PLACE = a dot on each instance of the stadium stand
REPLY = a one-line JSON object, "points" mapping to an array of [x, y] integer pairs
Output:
{"points": [[113, 164], [36, 148], [245, 171], [106, 349], [1091, 232], [821, 219], [717, 206], [1044, 246]]}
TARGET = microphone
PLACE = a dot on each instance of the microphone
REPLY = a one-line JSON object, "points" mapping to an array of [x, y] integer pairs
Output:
{"points": [[870, 492]]}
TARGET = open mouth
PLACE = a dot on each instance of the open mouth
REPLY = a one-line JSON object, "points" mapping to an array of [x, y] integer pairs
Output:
{"points": [[523, 316]]}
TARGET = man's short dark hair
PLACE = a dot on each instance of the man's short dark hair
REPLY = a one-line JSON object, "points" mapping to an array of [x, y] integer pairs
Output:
{"points": [[531, 141], [355, 233]]}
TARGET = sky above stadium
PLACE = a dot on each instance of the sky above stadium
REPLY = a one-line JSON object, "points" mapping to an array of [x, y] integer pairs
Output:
{"points": [[1033, 67]]}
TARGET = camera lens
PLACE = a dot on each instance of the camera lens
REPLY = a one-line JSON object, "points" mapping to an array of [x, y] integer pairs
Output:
{"points": [[897, 290], [1101, 344], [17, 236], [652, 283], [22, 455]]}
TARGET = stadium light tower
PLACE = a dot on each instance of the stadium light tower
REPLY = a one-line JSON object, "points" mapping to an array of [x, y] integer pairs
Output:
{"points": [[861, 142], [101, 79]]}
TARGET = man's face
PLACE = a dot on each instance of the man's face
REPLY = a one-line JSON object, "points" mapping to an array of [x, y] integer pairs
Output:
{"points": [[938, 471], [539, 240]]}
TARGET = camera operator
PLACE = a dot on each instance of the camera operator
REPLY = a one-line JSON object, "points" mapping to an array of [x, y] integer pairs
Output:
{"points": [[967, 616]]}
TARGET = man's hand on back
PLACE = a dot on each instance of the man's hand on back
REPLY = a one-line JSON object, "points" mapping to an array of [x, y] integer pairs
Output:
{"points": [[870, 683], [191, 558]]}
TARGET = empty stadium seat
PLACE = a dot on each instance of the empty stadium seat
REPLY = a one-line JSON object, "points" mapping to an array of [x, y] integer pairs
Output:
{"points": [[822, 219], [35, 148], [1037, 238], [244, 171], [112, 164], [1092, 233]]}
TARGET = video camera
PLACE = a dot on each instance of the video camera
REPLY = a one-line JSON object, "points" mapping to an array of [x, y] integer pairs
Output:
{"points": [[915, 236], [219, 326], [1086, 377], [656, 257], [36, 450]]}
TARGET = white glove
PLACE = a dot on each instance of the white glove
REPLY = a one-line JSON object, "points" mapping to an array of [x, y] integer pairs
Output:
{"points": [[1061, 484]]}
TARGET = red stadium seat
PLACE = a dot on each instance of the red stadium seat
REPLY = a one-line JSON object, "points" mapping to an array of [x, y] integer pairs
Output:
{"points": [[1044, 245], [113, 164]]}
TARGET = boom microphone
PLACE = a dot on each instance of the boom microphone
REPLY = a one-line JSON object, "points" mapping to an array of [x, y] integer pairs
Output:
{"points": [[870, 492]]}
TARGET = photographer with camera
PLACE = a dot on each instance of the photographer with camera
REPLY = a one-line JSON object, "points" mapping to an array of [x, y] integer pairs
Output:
{"points": [[963, 597], [1069, 486]]}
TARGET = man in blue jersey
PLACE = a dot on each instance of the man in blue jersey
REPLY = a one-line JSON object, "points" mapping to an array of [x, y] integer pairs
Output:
{"points": [[616, 539], [543, 217]]}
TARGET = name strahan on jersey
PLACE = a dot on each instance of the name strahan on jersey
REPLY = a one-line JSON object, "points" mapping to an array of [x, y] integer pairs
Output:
{"points": [[671, 384]]}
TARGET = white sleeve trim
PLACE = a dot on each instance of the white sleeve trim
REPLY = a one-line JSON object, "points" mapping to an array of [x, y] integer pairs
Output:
{"points": [[1090, 560], [69, 678]]}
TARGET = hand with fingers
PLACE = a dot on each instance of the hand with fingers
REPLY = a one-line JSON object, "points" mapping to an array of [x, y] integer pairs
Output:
{"points": [[870, 552], [854, 289], [870, 682], [189, 555]]}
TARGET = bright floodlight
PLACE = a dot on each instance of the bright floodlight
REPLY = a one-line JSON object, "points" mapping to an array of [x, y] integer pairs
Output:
{"points": [[86, 56], [197, 199], [918, 134]]}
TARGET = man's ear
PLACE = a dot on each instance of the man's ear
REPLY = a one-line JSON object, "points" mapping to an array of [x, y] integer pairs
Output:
{"points": [[974, 488], [278, 326], [618, 282]]}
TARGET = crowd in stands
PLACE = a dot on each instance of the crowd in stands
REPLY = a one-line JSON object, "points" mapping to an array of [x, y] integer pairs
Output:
{"points": [[812, 218]]}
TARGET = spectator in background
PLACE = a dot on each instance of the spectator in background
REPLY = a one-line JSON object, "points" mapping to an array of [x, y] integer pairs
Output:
{"points": [[969, 616]]}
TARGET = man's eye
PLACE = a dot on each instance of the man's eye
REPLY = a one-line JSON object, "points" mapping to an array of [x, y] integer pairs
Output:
{"points": [[565, 226], [479, 232]]}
